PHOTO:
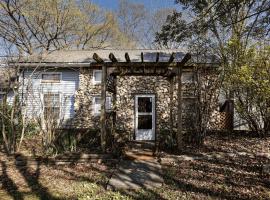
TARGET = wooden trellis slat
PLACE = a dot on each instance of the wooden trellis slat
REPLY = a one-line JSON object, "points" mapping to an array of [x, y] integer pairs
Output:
{"points": [[157, 57], [172, 57], [127, 57], [112, 58], [97, 58]]}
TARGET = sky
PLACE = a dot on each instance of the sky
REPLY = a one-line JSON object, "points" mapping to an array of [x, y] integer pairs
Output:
{"points": [[153, 4]]}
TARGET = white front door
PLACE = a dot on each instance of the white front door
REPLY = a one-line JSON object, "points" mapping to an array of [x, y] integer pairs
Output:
{"points": [[145, 117]]}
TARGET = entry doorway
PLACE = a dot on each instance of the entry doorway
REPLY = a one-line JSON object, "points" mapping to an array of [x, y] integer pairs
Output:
{"points": [[145, 117]]}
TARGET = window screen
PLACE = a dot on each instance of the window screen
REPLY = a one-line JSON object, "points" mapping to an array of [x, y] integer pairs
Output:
{"points": [[51, 105]]}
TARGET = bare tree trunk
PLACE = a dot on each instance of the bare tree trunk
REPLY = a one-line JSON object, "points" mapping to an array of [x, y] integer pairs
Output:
{"points": [[13, 133], [4, 135], [22, 131], [3, 124]]}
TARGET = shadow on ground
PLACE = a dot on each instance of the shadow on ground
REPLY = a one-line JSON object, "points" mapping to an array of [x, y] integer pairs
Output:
{"points": [[227, 175]]}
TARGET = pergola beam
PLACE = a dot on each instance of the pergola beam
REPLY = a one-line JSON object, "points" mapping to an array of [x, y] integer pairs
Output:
{"points": [[172, 57], [112, 58], [97, 58], [157, 57], [186, 58], [139, 64], [127, 57]]}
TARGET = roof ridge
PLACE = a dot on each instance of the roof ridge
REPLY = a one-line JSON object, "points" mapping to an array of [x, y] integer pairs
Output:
{"points": [[119, 50]]}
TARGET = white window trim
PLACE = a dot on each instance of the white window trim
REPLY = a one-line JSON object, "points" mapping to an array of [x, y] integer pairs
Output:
{"points": [[41, 80], [60, 103], [94, 112], [93, 79]]}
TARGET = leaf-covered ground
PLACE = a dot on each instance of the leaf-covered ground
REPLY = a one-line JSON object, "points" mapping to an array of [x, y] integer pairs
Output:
{"points": [[225, 168]]}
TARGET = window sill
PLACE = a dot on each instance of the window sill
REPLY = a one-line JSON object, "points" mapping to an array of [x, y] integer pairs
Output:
{"points": [[50, 82]]}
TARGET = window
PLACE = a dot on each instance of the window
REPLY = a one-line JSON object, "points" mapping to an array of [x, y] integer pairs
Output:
{"points": [[97, 104], [50, 77], [188, 77], [51, 106], [97, 76]]}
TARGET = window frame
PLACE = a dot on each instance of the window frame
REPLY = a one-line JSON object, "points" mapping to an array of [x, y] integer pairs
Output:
{"points": [[188, 81], [94, 109], [95, 82], [51, 81], [60, 103]]}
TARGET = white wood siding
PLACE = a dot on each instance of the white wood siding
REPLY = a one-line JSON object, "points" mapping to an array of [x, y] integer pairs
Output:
{"points": [[32, 92]]}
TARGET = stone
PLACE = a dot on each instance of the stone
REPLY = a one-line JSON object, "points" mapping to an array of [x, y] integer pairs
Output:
{"points": [[127, 87]]}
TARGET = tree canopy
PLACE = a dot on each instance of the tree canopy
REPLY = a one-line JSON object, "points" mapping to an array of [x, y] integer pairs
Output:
{"points": [[35, 26], [237, 32]]}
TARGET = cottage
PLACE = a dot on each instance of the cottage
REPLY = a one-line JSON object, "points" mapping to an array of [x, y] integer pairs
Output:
{"points": [[141, 89]]}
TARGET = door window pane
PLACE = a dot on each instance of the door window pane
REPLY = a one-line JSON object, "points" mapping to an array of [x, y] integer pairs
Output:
{"points": [[145, 104], [145, 122]]}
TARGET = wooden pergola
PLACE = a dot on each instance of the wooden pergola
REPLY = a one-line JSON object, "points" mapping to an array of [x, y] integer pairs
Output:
{"points": [[115, 68]]}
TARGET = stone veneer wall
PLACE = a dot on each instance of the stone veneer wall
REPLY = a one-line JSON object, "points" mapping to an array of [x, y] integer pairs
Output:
{"points": [[84, 117], [127, 87]]}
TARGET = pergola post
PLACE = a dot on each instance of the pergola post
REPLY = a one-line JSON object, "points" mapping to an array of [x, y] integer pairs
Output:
{"points": [[103, 134], [180, 100], [179, 108], [171, 80]]}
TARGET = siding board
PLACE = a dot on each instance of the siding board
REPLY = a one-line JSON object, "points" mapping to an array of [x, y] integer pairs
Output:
{"points": [[32, 91]]}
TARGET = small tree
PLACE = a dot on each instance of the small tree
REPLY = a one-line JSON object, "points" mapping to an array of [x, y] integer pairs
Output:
{"points": [[49, 114], [249, 80], [207, 90], [12, 119]]}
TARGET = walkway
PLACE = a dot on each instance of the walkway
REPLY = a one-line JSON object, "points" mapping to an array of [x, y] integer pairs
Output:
{"points": [[141, 171]]}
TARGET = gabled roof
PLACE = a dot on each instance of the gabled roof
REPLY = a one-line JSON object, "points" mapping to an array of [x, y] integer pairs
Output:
{"points": [[86, 56]]}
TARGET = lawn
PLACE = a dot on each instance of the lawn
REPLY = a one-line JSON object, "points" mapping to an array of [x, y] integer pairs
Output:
{"points": [[225, 168]]}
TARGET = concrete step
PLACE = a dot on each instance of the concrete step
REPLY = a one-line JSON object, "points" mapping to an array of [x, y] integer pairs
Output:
{"points": [[141, 144], [140, 150], [139, 154]]}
